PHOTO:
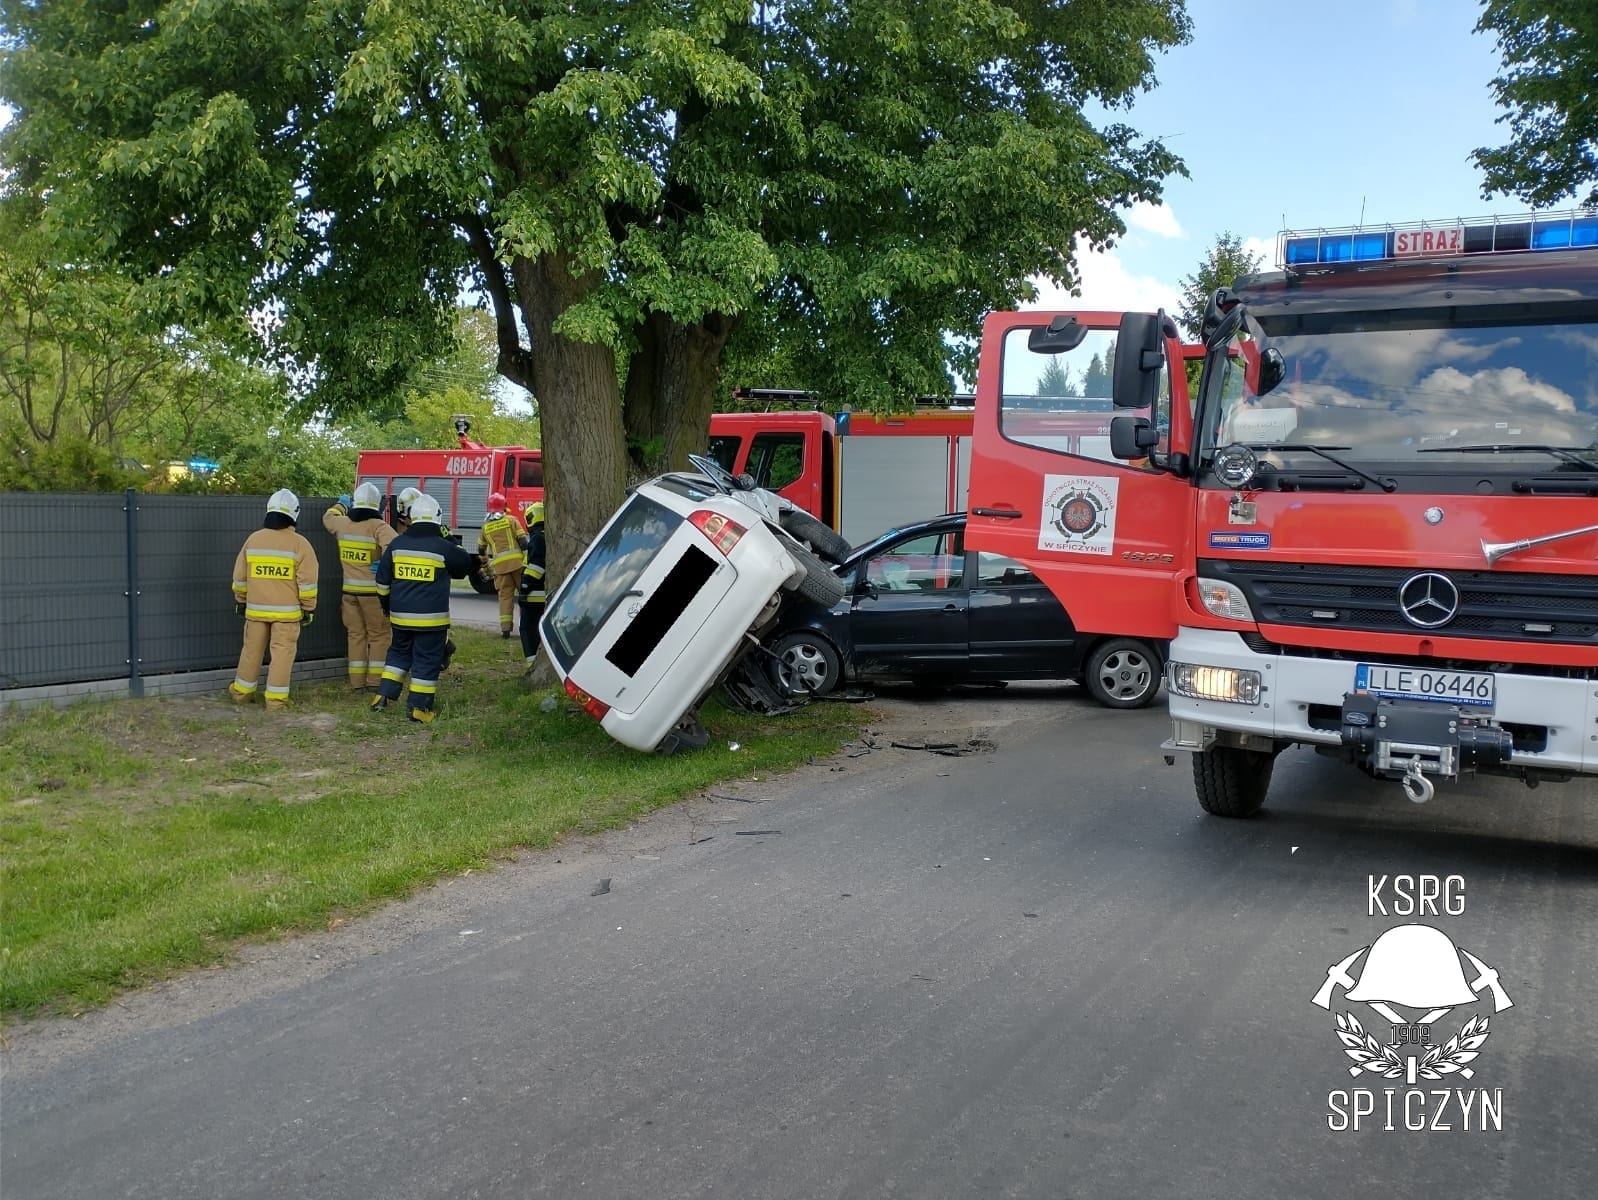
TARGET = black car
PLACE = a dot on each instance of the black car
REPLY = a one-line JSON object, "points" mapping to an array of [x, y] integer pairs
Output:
{"points": [[921, 608]]}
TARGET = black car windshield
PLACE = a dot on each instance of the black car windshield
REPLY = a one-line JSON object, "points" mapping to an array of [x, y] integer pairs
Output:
{"points": [[1386, 389], [613, 564]]}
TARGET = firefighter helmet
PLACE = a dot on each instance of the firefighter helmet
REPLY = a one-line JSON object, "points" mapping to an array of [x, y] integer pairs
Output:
{"points": [[367, 496], [1413, 965], [425, 510], [403, 501], [496, 502], [533, 514], [285, 502]]}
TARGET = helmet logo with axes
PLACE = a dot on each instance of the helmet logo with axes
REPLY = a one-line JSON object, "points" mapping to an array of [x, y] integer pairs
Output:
{"points": [[1417, 968]]}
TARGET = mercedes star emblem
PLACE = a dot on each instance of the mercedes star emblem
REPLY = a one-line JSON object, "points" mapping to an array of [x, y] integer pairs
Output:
{"points": [[1433, 515], [1428, 600]]}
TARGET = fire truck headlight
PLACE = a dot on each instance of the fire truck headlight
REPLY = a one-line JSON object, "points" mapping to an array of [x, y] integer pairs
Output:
{"points": [[1222, 599], [1214, 683]]}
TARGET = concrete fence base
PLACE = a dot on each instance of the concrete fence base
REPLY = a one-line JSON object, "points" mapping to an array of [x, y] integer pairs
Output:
{"points": [[183, 683]]}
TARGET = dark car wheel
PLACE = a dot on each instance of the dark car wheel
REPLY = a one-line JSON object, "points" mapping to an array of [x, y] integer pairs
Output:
{"points": [[823, 539], [1123, 673], [805, 663]]}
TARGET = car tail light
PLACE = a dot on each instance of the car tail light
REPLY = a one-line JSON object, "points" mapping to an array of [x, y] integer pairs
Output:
{"points": [[724, 532], [594, 708]]}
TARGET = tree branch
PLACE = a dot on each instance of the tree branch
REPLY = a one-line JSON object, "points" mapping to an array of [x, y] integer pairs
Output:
{"points": [[515, 361]]}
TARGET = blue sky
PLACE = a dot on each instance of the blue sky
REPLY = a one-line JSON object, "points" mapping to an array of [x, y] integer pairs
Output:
{"points": [[1308, 110]]}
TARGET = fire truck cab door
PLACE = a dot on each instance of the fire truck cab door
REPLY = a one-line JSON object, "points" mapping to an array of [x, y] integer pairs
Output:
{"points": [[1107, 537]]}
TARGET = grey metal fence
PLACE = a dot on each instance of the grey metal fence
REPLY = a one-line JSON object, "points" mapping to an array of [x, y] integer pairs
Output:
{"points": [[96, 587]]}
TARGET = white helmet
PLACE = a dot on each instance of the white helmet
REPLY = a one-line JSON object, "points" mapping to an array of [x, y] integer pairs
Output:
{"points": [[285, 502], [367, 496], [425, 510], [403, 501]]}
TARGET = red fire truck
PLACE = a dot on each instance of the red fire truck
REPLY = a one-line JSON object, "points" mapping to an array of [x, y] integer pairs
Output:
{"points": [[863, 473], [1370, 532], [460, 480]]}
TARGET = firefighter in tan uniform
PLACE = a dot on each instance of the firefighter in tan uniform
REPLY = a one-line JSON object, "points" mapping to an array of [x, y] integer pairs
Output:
{"points": [[501, 551], [274, 590], [362, 536]]}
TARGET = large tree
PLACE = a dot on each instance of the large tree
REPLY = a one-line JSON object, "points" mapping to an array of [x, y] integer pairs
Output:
{"points": [[624, 184], [1222, 263], [1550, 54]]}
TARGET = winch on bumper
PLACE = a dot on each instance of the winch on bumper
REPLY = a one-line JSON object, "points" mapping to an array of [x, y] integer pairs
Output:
{"points": [[1408, 741]]}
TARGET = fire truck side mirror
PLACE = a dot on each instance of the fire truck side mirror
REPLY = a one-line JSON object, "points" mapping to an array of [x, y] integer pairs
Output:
{"points": [[1063, 335], [1132, 437], [1139, 358], [1273, 369]]}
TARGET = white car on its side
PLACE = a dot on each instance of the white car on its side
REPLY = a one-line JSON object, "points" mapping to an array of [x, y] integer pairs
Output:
{"points": [[665, 599]]}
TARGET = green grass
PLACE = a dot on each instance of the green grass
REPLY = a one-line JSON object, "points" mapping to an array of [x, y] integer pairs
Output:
{"points": [[140, 837]]}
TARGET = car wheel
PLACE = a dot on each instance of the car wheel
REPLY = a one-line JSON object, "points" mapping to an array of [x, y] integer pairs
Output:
{"points": [[1232, 782], [1123, 673], [688, 734], [818, 584], [824, 540], [482, 583], [804, 663]]}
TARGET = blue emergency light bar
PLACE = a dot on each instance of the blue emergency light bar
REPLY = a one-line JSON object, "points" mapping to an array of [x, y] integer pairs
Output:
{"points": [[1438, 239]]}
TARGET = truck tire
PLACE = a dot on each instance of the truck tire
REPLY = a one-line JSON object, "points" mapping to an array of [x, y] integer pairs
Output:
{"points": [[1123, 673], [804, 663], [1232, 782], [481, 583], [818, 584], [828, 544]]}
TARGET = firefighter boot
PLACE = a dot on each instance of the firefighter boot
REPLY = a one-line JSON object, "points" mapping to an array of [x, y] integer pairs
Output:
{"points": [[379, 702], [239, 697], [423, 716]]}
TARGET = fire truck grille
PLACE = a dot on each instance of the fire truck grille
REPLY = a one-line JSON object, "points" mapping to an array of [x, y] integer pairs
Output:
{"points": [[1513, 607]]}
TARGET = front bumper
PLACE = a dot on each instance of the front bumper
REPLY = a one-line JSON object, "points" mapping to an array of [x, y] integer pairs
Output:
{"points": [[1554, 721]]}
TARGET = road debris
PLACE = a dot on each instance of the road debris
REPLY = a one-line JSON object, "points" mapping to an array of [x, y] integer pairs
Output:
{"points": [[757, 832], [602, 888], [547, 704]]}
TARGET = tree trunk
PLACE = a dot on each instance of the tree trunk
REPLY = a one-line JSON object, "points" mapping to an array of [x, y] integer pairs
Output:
{"points": [[579, 407], [671, 390]]}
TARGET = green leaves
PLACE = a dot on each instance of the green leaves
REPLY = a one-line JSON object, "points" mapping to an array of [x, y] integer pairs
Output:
{"points": [[1550, 54]]}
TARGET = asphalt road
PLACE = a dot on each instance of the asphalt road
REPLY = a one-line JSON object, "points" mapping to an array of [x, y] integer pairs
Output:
{"points": [[1034, 972]]}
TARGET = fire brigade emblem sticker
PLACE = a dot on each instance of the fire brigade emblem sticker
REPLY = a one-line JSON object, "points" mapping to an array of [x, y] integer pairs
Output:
{"points": [[1078, 514], [1411, 1070]]}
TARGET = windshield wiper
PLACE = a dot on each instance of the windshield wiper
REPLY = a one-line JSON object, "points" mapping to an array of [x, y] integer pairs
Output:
{"points": [[1569, 454], [1387, 485]]}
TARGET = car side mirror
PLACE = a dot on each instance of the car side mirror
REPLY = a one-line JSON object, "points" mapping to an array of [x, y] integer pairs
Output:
{"points": [[1132, 437], [866, 588]]}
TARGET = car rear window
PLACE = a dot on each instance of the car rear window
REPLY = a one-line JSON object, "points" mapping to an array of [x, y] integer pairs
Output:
{"points": [[613, 564]]}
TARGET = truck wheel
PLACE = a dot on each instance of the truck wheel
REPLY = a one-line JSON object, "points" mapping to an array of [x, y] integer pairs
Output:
{"points": [[1123, 673], [825, 541], [482, 584], [804, 663], [1232, 782], [818, 584]]}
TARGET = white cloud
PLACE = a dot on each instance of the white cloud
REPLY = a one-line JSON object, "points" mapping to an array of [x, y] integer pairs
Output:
{"points": [[1105, 284], [1153, 218], [1264, 249]]}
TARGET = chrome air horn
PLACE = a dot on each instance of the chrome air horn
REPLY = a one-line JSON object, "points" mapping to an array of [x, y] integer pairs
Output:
{"points": [[1496, 550]]}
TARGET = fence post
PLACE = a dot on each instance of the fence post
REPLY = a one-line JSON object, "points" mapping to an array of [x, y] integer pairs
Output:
{"points": [[135, 679]]}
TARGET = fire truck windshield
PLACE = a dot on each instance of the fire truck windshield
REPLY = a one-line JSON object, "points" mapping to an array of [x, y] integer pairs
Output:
{"points": [[1388, 389]]}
